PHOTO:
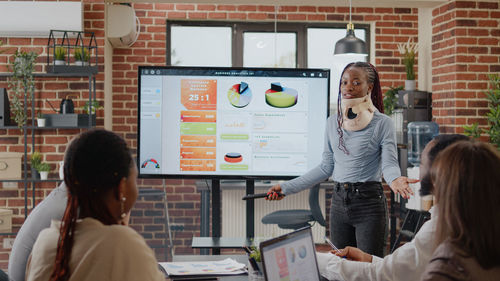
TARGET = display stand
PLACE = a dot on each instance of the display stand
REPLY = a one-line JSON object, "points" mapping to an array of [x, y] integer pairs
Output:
{"points": [[216, 242], [216, 217]]}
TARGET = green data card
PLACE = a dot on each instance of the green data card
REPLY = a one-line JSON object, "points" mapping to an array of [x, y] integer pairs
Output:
{"points": [[233, 167], [198, 128], [234, 137]]}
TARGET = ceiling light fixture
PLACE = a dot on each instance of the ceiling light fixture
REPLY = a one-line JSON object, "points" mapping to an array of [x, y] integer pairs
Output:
{"points": [[350, 44]]}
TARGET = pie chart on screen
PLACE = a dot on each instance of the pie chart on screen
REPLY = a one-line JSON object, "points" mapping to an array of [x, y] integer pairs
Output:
{"points": [[282, 97], [239, 95]]}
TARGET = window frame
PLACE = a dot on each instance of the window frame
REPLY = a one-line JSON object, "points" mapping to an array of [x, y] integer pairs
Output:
{"points": [[238, 28]]}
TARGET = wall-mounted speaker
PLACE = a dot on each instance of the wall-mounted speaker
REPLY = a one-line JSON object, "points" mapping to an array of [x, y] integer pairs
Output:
{"points": [[4, 108]]}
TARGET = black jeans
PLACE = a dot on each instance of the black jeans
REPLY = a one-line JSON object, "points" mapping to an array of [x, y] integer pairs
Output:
{"points": [[358, 217]]}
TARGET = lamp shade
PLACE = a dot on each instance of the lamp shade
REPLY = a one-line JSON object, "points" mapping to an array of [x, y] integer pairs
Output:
{"points": [[350, 44]]}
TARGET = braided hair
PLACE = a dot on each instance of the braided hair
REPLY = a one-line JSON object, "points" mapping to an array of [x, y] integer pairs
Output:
{"points": [[376, 95], [94, 164]]}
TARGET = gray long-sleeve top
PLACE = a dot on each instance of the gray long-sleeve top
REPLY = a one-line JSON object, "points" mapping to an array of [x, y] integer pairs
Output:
{"points": [[51, 208], [372, 151]]}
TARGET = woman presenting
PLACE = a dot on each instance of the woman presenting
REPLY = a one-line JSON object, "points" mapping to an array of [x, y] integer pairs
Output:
{"points": [[360, 146]]}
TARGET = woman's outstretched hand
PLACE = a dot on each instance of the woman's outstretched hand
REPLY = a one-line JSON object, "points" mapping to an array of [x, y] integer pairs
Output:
{"points": [[352, 253], [401, 185], [272, 193]]}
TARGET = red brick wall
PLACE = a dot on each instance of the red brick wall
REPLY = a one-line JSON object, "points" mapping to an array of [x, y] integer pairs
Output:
{"points": [[465, 49]]}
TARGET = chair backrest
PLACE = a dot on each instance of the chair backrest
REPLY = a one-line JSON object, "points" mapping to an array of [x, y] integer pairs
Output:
{"points": [[3, 276], [314, 205]]}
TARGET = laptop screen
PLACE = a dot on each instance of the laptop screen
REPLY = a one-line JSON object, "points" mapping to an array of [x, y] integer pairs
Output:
{"points": [[290, 257]]}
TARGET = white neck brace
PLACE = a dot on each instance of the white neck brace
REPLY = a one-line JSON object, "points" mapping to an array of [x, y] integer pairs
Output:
{"points": [[357, 113]]}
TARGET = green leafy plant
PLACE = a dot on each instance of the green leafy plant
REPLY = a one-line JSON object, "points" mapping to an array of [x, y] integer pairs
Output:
{"points": [[408, 50], [391, 99], [22, 83], [60, 53], [44, 167], [95, 106], [255, 253], [81, 54], [493, 117], [36, 160]]}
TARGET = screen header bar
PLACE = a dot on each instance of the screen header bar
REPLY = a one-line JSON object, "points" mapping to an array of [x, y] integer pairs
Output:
{"points": [[243, 72]]}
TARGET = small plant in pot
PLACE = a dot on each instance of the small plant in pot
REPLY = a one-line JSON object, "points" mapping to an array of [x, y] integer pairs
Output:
{"points": [[60, 55], [44, 169], [36, 160], [81, 56], [40, 120], [409, 51], [95, 106]]}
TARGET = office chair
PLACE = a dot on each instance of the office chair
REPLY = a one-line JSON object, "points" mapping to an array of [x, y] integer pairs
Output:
{"points": [[3, 276], [412, 223], [295, 219]]}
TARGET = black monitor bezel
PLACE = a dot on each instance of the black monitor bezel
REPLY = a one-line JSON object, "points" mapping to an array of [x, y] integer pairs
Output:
{"points": [[200, 68]]}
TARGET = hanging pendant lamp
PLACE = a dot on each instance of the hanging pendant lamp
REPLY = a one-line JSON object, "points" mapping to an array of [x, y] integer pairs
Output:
{"points": [[350, 44]]}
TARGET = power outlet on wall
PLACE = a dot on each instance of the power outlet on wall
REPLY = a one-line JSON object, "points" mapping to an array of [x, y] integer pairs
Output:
{"points": [[8, 242]]}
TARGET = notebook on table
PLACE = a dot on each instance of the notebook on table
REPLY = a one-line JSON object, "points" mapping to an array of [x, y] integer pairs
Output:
{"points": [[290, 257]]}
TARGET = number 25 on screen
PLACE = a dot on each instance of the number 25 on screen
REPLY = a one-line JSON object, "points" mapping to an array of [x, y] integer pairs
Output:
{"points": [[195, 97]]}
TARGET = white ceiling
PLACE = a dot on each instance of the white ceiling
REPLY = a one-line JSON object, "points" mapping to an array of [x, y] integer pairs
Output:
{"points": [[355, 3]]}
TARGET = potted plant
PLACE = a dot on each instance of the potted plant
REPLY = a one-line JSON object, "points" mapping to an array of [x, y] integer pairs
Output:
{"points": [[60, 55], [391, 99], [82, 56], [40, 119], [254, 255], [493, 116], [95, 105], [22, 83], [44, 169], [409, 50], [36, 160]]}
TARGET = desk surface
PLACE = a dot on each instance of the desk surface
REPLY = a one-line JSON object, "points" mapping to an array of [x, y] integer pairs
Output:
{"points": [[221, 242], [239, 258]]}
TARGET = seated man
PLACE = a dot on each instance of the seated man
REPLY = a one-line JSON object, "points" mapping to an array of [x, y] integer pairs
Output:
{"points": [[408, 262], [52, 207]]}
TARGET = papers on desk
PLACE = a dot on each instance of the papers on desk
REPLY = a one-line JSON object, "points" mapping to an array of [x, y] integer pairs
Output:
{"points": [[204, 268]]}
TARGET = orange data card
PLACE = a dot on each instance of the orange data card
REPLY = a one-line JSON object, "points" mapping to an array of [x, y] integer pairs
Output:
{"points": [[198, 116], [194, 140], [198, 152], [199, 94], [197, 165]]}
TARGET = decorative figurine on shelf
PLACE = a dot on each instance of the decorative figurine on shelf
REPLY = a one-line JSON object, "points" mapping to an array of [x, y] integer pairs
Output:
{"points": [[409, 50]]}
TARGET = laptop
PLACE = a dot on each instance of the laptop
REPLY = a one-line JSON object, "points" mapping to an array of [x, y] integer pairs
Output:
{"points": [[290, 257]]}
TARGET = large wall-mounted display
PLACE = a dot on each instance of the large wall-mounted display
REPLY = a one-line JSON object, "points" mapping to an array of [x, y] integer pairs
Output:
{"points": [[231, 122]]}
